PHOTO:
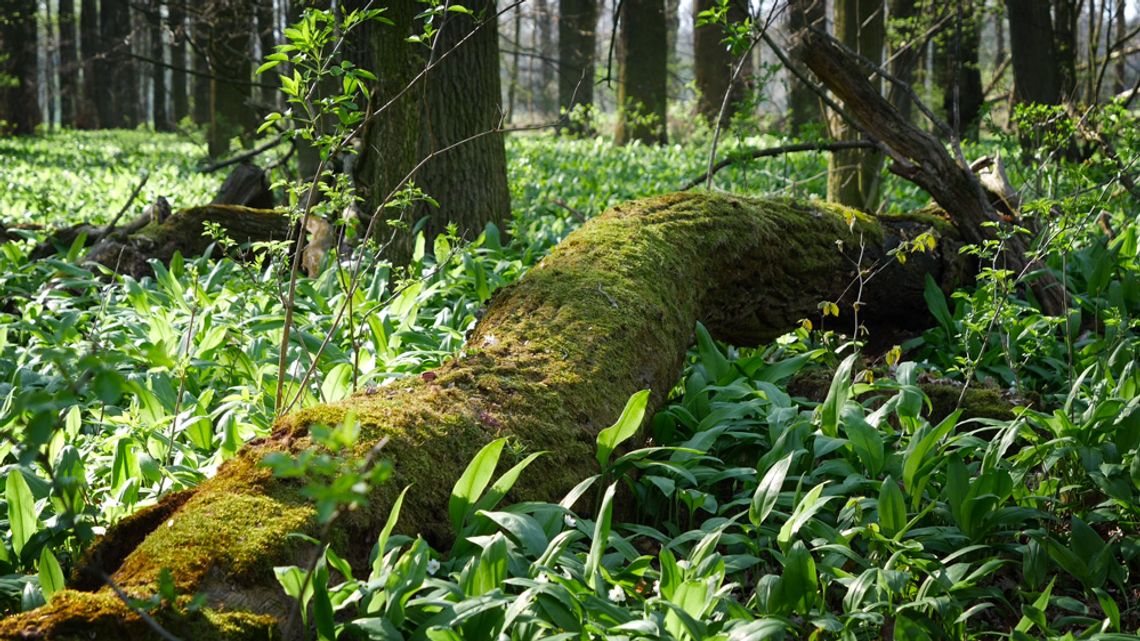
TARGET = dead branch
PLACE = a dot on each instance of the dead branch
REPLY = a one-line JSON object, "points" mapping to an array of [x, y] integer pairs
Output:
{"points": [[778, 151]]}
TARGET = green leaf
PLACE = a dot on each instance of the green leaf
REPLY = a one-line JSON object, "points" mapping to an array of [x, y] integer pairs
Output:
{"points": [[504, 483], [714, 362], [808, 506], [382, 539], [625, 427], [21, 510], [837, 397], [768, 491], [51, 575], [865, 440], [936, 301], [1039, 605], [473, 481], [600, 542], [892, 508]]}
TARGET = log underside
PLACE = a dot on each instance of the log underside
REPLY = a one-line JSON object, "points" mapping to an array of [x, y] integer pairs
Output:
{"points": [[556, 355]]}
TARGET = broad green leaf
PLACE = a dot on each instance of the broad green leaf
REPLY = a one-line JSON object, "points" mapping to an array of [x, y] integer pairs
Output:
{"points": [[768, 491], [625, 427], [51, 575], [600, 542], [504, 483], [892, 508], [837, 397], [1040, 603], [714, 362], [808, 506], [382, 539], [21, 510], [473, 481]]}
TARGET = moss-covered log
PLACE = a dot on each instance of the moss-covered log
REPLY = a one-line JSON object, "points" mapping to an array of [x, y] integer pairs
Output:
{"points": [[555, 357]]}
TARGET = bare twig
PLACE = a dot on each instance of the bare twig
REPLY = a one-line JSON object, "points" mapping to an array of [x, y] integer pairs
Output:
{"points": [[244, 156], [127, 205], [777, 151], [143, 614]]}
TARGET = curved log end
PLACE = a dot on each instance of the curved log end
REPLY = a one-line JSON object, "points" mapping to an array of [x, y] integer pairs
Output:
{"points": [[73, 615]]}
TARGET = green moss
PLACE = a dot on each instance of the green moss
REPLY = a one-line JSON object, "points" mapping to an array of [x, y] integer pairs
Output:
{"points": [[979, 402]]}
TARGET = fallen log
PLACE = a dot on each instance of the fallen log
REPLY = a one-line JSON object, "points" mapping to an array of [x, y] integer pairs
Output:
{"points": [[553, 360]]}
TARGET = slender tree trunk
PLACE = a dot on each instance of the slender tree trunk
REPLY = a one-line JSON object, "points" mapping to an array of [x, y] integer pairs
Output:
{"points": [[87, 115], [802, 101], [713, 64], [1033, 51], [1121, 31], [513, 79], [19, 71], [116, 90], [465, 166], [643, 81], [962, 100], [577, 25], [159, 113], [853, 177], [547, 49], [199, 54], [1066, 14], [999, 37], [231, 111], [906, 52], [180, 99], [267, 39], [68, 64]]}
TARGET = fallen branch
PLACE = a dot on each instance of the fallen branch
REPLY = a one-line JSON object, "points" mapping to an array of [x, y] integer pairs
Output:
{"points": [[778, 151], [127, 205]]}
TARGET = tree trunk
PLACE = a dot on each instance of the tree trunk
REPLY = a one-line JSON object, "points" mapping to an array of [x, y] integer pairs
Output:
{"points": [[547, 51], [802, 101], [962, 100], [1033, 52], [87, 114], [577, 24], [159, 113], [19, 81], [464, 161], [1066, 15], [267, 41], [611, 311], [68, 64], [853, 177], [713, 65], [180, 99], [231, 93], [199, 54], [643, 81], [116, 90]]}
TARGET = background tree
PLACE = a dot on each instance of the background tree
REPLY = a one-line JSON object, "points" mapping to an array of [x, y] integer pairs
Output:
{"points": [[231, 92], [1033, 52], [87, 114], [853, 175], [68, 63], [906, 26], [960, 75], [643, 81], [465, 164], [713, 64], [180, 98], [19, 97], [803, 103], [159, 114], [117, 95], [577, 23]]}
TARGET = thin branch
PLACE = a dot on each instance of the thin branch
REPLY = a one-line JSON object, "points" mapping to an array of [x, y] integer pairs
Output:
{"points": [[244, 156], [779, 151], [134, 194], [143, 614]]}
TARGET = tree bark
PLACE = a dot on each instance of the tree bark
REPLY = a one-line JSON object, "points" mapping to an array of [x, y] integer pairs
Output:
{"points": [[643, 78], [464, 159], [180, 99], [1033, 52], [19, 82], [203, 69], [87, 113], [853, 177], [713, 65], [577, 23], [962, 100], [546, 49], [802, 101], [551, 363], [68, 64], [117, 90], [1066, 15], [159, 113], [231, 93]]}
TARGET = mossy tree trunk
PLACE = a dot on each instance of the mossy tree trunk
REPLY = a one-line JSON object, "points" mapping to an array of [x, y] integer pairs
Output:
{"points": [[853, 176], [611, 311], [443, 129], [643, 81], [577, 22], [714, 64]]}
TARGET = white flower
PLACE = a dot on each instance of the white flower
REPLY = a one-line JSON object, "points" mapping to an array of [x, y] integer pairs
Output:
{"points": [[432, 567], [569, 520], [657, 588], [617, 595], [683, 564], [170, 523], [542, 578]]}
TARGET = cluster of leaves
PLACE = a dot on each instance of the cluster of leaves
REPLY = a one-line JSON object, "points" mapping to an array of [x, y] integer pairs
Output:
{"points": [[769, 517]]}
